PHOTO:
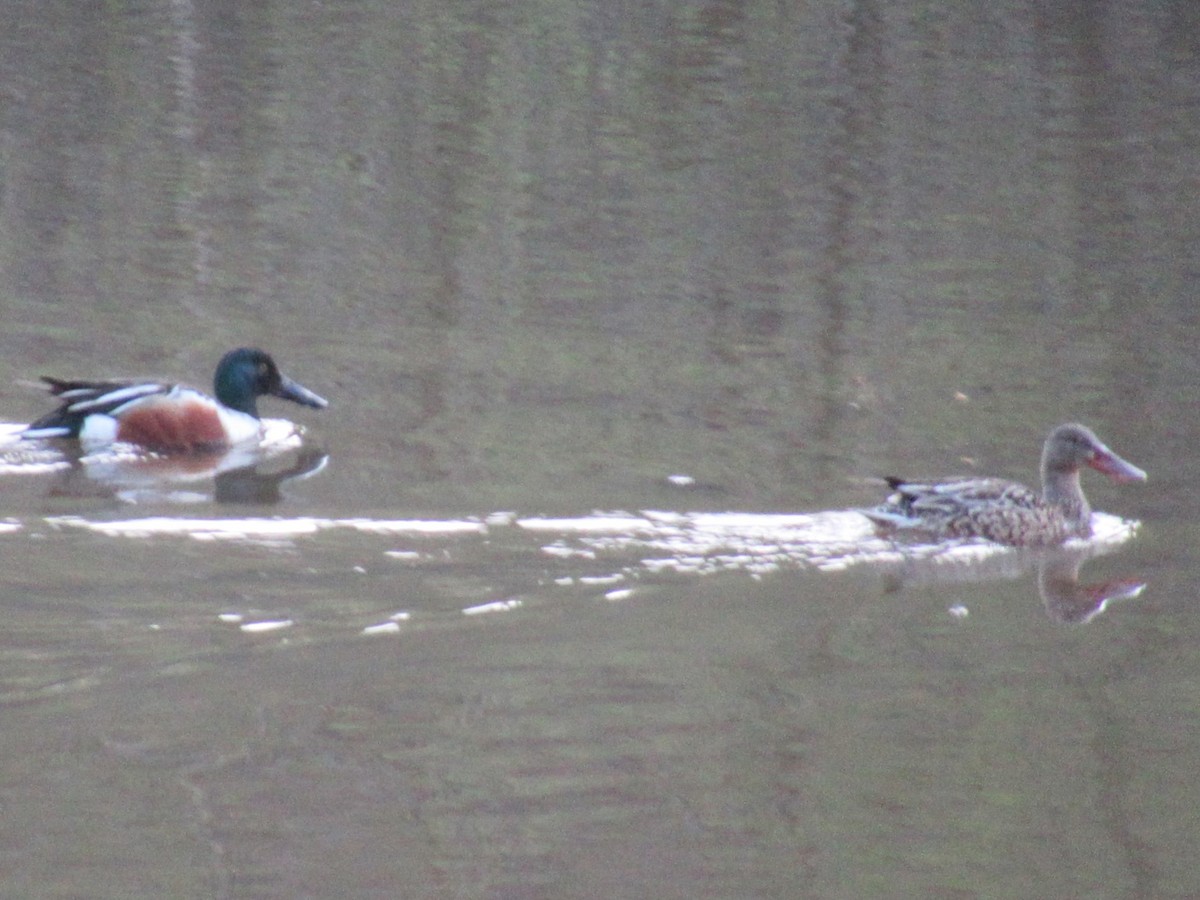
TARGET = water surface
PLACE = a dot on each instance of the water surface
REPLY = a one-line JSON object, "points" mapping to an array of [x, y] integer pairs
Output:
{"points": [[682, 267]]}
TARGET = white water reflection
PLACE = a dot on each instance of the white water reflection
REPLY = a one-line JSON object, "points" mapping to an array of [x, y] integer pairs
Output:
{"points": [[261, 530], [705, 543], [689, 543], [615, 555]]}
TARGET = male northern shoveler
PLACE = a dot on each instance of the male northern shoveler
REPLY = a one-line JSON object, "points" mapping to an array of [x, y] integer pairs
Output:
{"points": [[170, 418], [1004, 511]]}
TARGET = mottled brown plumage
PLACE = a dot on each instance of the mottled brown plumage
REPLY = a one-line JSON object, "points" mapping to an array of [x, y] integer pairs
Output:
{"points": [[1005, 511]]}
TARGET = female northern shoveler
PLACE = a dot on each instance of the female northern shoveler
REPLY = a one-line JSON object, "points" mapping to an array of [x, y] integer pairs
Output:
{"points": [[168, 418], [1004, 511]]}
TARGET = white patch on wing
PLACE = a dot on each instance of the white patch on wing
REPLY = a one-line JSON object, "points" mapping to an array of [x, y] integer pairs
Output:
{"points": [[122, 397]]}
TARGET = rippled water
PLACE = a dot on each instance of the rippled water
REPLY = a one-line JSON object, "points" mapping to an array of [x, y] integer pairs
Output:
{"points": [[621, 314]]}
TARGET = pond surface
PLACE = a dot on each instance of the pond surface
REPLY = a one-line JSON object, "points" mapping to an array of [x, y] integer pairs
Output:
{"points": [[621, 310]]}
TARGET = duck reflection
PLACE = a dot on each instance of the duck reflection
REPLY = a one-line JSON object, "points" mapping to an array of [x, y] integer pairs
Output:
{"points": [[228, 478], [1065, 597], [260, 484], [1069, 600]]}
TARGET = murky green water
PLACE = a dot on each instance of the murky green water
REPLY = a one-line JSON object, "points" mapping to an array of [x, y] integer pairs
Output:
{"points": [[542, 258]]}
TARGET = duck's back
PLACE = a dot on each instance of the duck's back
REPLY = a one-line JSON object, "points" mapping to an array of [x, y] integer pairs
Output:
{"points": [[993, 508]]}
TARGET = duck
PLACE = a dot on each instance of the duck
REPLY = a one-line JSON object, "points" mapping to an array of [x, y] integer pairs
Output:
{"points": [[1007, 512], [171, 418]]}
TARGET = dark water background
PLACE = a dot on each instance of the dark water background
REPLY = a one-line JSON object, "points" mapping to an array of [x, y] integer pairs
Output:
{"points": [[540, 257]]}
